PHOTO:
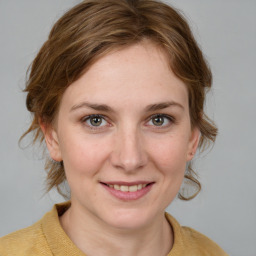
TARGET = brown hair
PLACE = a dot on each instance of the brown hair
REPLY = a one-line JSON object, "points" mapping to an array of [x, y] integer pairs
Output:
{"points": [[92, 29]]}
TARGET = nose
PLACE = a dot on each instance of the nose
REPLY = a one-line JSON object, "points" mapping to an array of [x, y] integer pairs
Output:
{"points": [[128, 150]]}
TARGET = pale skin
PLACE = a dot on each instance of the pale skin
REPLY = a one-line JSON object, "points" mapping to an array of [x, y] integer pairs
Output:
{"points": [[140, 133]]}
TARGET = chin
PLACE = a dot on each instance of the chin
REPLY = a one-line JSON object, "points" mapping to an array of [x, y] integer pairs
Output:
{"points": [[129, 219]]}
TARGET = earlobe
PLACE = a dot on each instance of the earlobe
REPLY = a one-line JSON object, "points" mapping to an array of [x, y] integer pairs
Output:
{"points": [[193, 143], [51, 140]]}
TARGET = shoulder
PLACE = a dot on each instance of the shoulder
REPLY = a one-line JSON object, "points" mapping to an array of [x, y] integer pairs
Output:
{"points": [[28, 241], [188, 241], [44, 238], [201, 243]]}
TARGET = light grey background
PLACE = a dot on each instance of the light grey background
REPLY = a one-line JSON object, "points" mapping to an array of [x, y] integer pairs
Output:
{"points": [[226, 208]]}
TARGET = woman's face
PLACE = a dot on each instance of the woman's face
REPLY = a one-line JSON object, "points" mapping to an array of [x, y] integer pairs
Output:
{"points": [[123, 132]]}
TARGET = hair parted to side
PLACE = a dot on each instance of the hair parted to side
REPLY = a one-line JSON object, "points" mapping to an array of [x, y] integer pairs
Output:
{"points": [[94, 28]]}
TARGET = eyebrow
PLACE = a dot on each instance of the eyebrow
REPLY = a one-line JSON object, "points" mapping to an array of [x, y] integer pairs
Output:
{"points": [[162, 105], [98, 107], [106, 108]]}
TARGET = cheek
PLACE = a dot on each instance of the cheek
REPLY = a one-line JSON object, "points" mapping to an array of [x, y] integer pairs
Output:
{"points": [[83, 156], [170, 160], [169, 153]]}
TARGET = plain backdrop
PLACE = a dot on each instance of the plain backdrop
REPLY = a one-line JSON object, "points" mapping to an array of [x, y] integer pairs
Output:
{"points": [[225, 210]]}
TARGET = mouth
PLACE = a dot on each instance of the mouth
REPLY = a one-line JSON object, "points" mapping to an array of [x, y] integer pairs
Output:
{"points": [[128, 191], [125, 188]]}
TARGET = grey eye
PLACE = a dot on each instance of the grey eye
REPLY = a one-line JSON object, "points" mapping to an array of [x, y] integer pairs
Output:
{"points": [[158, 120], [95, 121]]}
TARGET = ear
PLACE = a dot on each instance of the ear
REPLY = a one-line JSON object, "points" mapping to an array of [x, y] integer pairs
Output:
{"points": [[193, 143], [51, 140]]}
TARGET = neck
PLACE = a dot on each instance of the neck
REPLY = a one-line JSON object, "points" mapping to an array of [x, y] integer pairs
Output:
{"points": [[95, 238]]}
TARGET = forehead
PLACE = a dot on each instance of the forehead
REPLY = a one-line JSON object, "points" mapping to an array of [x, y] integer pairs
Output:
{"points": [[128, 74]]}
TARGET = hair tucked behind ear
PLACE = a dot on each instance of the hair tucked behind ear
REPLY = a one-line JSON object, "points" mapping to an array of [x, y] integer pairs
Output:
{"points": [[94, 28]]}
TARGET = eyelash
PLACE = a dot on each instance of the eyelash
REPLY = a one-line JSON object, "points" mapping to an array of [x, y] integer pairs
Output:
{"points": [[86, 118], [170, 119]]}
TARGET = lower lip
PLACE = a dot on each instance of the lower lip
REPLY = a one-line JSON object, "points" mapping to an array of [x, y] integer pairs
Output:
{"points": [[128, 196]]}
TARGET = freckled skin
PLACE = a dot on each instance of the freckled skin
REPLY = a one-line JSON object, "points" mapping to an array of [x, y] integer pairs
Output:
{"points": [[126, 146]]}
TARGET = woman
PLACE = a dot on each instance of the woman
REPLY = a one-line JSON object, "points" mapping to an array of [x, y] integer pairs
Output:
{"points": [[117, 94]]}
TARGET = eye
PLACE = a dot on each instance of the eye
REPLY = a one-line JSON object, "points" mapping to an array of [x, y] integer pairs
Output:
{"points": [[160, 120], [94, 121]]}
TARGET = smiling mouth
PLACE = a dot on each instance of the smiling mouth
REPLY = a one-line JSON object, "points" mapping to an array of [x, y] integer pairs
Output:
{"points": [[126, 188], [128, 191]]}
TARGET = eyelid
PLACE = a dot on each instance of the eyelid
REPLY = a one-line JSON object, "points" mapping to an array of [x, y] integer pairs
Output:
{"points": [[85, 118], [171, 119]]}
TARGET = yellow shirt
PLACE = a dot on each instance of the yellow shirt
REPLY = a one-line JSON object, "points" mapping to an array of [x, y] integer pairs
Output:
{"points": [[47, 238]]}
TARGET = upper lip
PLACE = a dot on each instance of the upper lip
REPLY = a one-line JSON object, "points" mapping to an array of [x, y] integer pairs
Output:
{"points": [[124, 183]]}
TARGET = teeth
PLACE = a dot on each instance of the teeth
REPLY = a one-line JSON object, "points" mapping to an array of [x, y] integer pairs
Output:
{"points": [[124, 188], [132, 188], [116, 187]]}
